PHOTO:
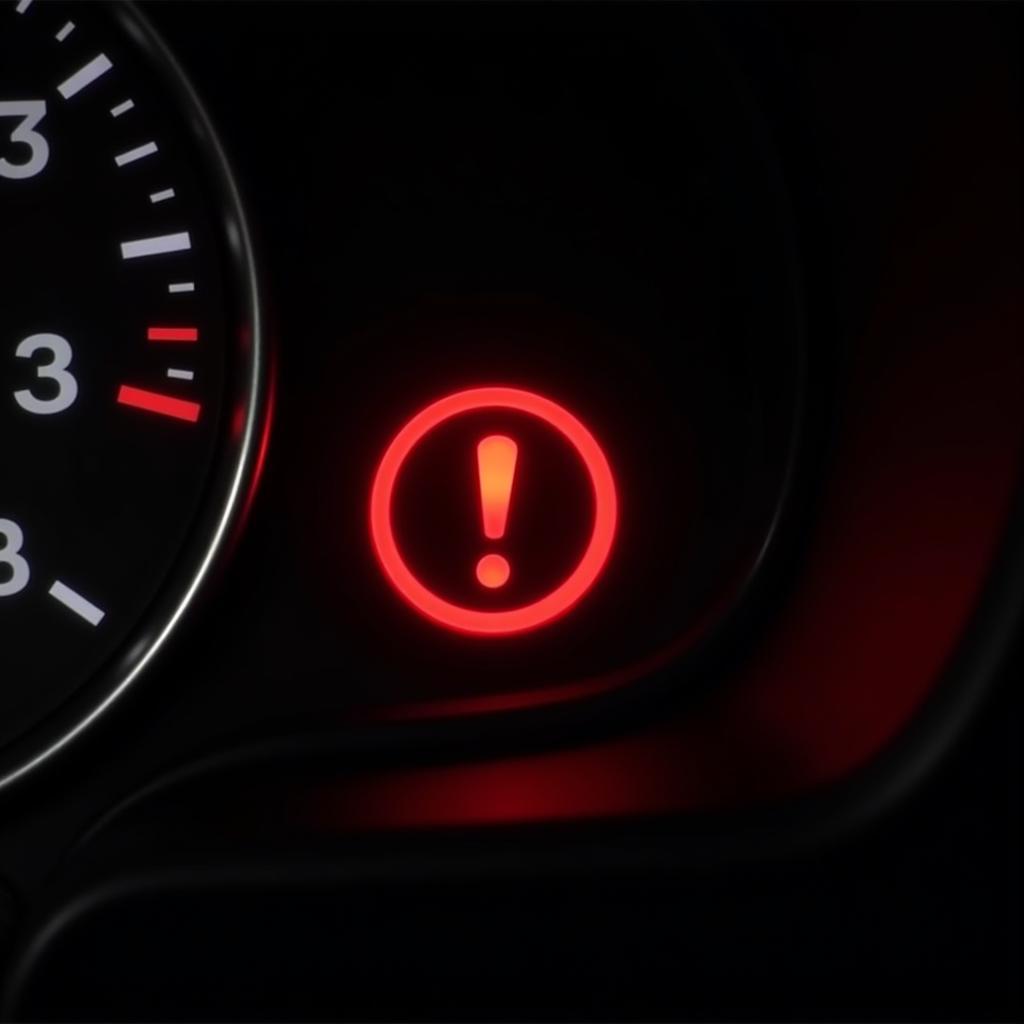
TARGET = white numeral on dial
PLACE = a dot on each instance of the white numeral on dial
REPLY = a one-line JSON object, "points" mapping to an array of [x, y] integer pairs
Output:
{"points": [[31, 113], [55, 370], [14, 573]]}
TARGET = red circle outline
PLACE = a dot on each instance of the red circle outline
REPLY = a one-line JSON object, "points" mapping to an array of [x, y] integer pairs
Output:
{"points": [[513, 620]]}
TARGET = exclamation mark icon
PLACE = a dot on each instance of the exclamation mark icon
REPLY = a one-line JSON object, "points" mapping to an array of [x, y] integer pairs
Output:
{"points": [[496, 468]]}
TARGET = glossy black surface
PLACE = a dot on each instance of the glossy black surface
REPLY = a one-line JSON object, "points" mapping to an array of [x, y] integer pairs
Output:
{"points": [[226, 897]]}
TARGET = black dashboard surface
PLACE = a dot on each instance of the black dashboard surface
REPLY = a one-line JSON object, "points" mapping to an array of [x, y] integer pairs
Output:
{"points": [[237, 838]]}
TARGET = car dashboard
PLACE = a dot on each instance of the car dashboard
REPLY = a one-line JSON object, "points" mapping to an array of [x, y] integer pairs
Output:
{"points": [[510, 511]]}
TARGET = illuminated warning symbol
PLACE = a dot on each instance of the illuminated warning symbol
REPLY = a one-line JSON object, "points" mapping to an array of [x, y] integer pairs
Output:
{"points": [[496, 467], [497, 457]]}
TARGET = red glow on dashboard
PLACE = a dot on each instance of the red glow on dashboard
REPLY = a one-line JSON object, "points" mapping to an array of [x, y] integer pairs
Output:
{"points": [[496, 464], [924, 469]]}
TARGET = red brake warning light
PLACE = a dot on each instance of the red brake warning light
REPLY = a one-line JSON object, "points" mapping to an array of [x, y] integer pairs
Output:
{"points": [[497, 461]]}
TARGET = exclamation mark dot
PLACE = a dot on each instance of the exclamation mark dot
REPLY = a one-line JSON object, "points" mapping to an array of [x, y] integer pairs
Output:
{"points": [[496, 468]]}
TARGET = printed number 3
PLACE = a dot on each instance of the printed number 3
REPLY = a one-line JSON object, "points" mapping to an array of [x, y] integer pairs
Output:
{"points": [[11, 539], [31, 113], [55, 370]]}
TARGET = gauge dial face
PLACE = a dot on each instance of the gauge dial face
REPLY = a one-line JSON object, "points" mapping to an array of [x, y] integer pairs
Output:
{"points": [[130, 362]]}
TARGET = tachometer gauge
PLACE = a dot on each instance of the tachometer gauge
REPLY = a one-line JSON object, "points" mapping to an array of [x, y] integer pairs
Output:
{"points": [[132, 371]]}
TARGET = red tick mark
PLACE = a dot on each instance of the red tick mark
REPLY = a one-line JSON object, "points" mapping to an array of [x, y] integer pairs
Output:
{"points": [[153, 401], [172, 334]]}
